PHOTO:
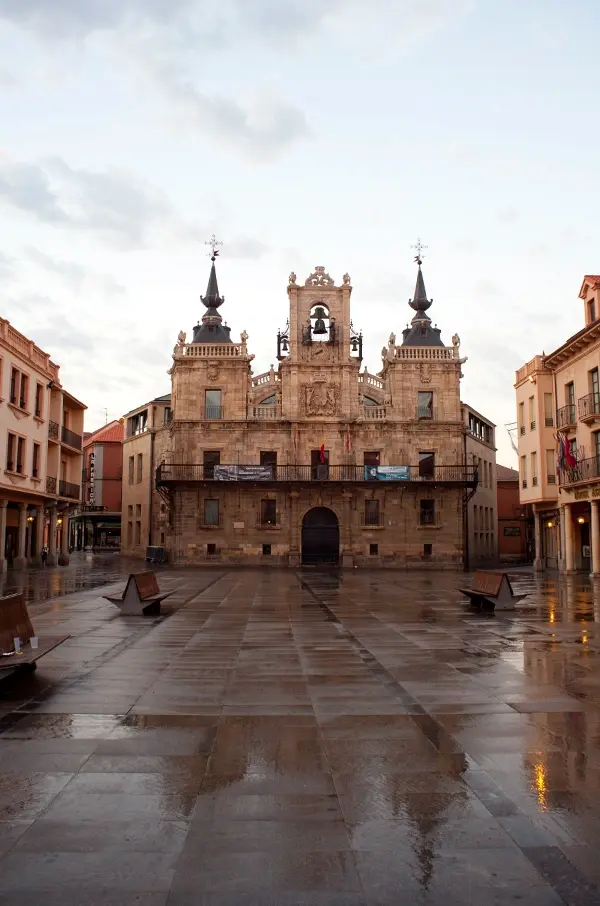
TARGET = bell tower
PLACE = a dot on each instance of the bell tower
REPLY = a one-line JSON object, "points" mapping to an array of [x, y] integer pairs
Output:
{"points": [[319, 352]]}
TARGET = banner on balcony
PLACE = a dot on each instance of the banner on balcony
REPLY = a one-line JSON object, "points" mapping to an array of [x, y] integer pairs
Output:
{"points": [[243, 473], [387, 473]]}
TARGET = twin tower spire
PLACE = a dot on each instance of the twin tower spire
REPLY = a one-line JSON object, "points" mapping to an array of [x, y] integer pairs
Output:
{"points": [[212, 330]]}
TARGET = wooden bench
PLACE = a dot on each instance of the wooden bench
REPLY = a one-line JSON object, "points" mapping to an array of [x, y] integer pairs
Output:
{"points": [[493, 589], [140, 596], [15, 623]]}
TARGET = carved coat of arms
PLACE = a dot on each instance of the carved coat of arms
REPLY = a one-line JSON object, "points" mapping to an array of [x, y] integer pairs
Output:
{"points": [[212, 371], [425, 373], [319, 399]]}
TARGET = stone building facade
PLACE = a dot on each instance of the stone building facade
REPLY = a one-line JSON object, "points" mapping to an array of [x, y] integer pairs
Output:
{"points": [[558, 411], [482, 512], [315, 461]]}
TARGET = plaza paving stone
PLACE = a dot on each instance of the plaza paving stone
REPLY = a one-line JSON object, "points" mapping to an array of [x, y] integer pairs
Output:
{"points": [[309, 737]]}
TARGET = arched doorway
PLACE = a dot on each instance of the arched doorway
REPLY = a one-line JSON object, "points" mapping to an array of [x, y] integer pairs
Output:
{"points": [[320, 537]]}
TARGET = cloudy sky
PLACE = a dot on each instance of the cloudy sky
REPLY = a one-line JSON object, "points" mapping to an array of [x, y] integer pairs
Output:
{"points": [[301, 132]]}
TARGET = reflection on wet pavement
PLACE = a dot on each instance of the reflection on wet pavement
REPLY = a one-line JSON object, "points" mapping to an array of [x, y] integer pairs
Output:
{"points": [[313, 738]]}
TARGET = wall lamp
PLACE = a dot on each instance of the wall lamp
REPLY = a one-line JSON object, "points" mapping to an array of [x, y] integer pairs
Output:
{"points": [[59, 521], [531, 378], [581, 520]]}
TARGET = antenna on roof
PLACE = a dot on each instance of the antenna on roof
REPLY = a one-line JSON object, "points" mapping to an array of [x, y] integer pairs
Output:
{"points": [[105, 410]]}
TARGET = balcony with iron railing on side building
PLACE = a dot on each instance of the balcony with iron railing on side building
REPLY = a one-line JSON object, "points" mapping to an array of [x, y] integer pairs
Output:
{"points": [[586, 470], [168, 474], [53, 431], [69, 489], [566, 417], [589, 408], [71, 439]]}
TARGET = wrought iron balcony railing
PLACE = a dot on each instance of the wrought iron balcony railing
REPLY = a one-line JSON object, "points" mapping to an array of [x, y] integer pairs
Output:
{"points": [[589, 407], [565, 417], [72, 439], [372, 520], [190, 473], [53, 430], [68, 489], [585, 470], [213, 413]]}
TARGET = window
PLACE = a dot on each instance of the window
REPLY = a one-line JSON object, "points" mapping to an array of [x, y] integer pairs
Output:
{"points": [[140, 467], [372, 512], [426, 464], [130, 511], [14, 386], [137, 424], [427, 550], [168, 416], [129, 533], [35, 461], [591, 308], [211, 512], [373, 550], [551, 466], [20, 455], [131, 468], [487, 434], [427, 514], [266, 550], [138, 532], [138, 511], [570, 402], [475, 517], [162, 537], [268, 512], [521, 418], [534, 480], [211, 550], [532, 412], [523, 471], [424, 404], [212, 404], [548, 410], [11, 448], [319, 463], [372, 458], [596, 443], [39, 399], [24, 392], [595, 385], [269, 458], [211, 458]]}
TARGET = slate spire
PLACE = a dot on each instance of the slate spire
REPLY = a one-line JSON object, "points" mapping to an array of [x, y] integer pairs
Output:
{"points": [[421, 333], [212, 330]]}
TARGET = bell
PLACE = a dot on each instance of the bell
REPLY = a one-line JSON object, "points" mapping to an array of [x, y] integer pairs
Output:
{"points": [[319, 326], [285, 345], [354, 344]]}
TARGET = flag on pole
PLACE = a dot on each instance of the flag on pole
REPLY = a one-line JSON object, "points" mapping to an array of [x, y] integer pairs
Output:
{"points": [[322, 453]]}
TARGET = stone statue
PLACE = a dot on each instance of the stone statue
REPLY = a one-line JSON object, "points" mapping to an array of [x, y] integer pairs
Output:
{"points": [[292, 278], [244, 336], [346, 279], [181, 337], [392, 339], [456, 340], [384, 352]]}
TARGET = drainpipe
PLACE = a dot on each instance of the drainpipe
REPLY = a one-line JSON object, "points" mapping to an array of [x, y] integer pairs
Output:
{"points": [[151, 481], [465, 511]]}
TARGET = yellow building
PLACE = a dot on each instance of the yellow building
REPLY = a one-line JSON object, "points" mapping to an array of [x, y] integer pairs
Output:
{"points": [[315, 461], [558, 423], [41, 432]]}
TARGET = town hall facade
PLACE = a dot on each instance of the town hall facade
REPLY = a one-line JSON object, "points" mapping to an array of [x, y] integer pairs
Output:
{"points": [[316, 461]]}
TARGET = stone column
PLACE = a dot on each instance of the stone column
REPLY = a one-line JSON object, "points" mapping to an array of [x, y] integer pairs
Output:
{"points": [[346, 533], [595, 539], [21, 558], [3, 563], [63, 557], [39, 534], [294, 555], [538, 563], [52, 558], [569, 557]]}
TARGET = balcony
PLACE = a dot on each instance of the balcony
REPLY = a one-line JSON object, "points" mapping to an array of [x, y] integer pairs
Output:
{"points": [[372, 520], [425, 413], [565, 417], [50, 485], [266, 413], [53, 431], [374, 412], [585, 470], [68, 489], [71, 439], [169, 474], [589, 407]]}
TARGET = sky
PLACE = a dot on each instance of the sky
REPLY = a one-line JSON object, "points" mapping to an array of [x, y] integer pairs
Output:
{"points": [[301, 133]]}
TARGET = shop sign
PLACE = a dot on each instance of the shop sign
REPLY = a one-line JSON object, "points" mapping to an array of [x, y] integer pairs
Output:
{"points": [[512, 530], [387, 473], [92, 489]]}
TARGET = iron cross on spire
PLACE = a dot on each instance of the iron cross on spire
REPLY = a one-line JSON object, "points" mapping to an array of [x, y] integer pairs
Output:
{"points": [[418, 247], [214, 245]]}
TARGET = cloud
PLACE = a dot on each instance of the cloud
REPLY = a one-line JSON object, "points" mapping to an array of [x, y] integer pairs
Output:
{"points": [[6, 268], [7, 79], [115, 204], [75, 275]]}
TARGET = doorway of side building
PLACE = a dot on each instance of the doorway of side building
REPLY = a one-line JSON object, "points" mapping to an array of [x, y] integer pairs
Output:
{"points": [[320, 537]]}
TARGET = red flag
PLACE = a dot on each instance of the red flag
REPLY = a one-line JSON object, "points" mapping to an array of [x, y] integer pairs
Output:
{"points": [[322, 453], [569, 458]]}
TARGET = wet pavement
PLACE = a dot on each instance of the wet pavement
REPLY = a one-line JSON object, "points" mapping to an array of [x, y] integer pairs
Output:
{"points": [[306, 738]]}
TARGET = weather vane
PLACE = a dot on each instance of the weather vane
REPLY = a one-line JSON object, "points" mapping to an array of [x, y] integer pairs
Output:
{"points": [[214, 245], [419, 250]]}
